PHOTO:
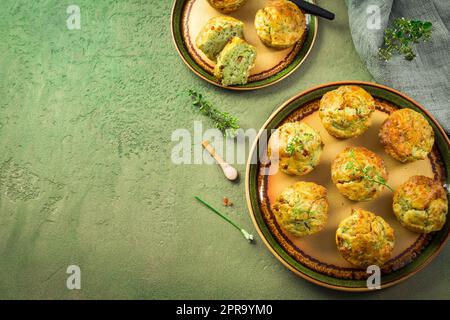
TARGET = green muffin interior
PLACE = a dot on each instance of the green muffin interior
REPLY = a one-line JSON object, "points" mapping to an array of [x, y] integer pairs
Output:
{"points": [[234, 62], [212, 40]]}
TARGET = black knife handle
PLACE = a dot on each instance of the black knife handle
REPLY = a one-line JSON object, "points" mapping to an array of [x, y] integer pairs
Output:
{"points": [[314, 10]]}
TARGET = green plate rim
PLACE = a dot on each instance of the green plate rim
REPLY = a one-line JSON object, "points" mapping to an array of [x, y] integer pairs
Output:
{"points": [[175, 26], [423, 259]]}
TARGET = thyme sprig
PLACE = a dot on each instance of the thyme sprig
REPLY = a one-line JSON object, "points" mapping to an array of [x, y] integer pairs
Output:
{"points": [[297, 143], [246, 235], [368, 172], [402, 35], [222, 120], [294, 144]]}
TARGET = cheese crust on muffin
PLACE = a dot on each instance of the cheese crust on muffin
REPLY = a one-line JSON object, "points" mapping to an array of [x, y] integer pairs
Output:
{"points": [[216, 33], [226, 6], [346, 112], [421, 205], [406, 135], [235, 62], [280, 25], [364, 239], [296, 147], [302, 209], [359, 174]]}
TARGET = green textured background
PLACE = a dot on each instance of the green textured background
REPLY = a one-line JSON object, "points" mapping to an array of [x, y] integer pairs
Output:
{"points": [[85, 174]]}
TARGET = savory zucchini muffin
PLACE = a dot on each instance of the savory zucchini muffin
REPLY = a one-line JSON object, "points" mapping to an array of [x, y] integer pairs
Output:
{"points": [[280, 25], [296, 147], [406, 135], [421, 205], [359, 174], [346, 111], [364, 239], [226, 6], [302, 208], [235, 62], [216, 33]]}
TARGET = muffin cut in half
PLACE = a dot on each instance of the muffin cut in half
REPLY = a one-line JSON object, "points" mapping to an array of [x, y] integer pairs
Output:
{"points": [[421, 205], [216, 33], [406, 135], [359, 174], [302, 209], [346, 112], [235, 62], [296, 148], [226, 6], [280, 25], [364, 239]]}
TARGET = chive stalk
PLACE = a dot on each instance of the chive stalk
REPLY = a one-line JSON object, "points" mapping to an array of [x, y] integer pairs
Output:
{"points": [[246, 235]]}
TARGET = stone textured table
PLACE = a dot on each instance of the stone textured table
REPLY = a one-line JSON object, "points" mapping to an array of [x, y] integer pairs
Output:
{"points": [[86, 118]]}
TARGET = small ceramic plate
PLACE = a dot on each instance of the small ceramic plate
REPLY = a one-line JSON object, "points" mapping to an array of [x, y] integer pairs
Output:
{"points": [[271, 66], [315, 257]]}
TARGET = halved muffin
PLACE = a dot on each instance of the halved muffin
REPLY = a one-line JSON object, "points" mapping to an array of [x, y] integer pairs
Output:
{"points": [[226, 6], [216, 33], [235, 62]]}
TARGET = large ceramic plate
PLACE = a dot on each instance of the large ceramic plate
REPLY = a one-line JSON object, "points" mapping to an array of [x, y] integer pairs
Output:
{"points": [[315, 257], [271, 66]]}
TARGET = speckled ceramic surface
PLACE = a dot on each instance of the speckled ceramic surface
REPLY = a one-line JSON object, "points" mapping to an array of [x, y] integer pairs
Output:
{"points": [[271, 65], [315, 257]]}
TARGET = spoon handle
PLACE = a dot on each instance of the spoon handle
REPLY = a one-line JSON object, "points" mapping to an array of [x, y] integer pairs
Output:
{"points": [[314, 10], [229, 171], [213, 153]]}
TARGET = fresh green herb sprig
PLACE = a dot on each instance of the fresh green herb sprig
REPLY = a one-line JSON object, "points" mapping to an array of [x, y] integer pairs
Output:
{"points": [[297, 211], [368, 172], [297, 143], [294, 144], [402, 35], [249, 237], [222, 120]]}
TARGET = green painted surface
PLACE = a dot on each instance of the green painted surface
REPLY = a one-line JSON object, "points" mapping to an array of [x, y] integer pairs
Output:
{"points": [[86, 118]]}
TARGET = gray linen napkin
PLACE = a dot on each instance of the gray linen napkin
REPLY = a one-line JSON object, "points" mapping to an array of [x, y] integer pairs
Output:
{"points": [[426, 78]]}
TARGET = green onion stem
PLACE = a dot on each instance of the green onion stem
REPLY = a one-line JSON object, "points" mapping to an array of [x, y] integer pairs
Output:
{"points": [[220, 214], [246, 235]]}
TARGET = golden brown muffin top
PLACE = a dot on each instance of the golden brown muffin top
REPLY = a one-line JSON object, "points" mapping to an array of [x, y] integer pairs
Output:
{"points": [[284, 23], [356, 163], [359, 174], [302, 209], [345, 112], [419, 191], [407, 135], [364, 238], [352, 97], [227, 6], [296, 147]]}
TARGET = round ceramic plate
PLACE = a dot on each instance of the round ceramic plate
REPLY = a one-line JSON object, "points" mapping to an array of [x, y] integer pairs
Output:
{"points": [[315, 257], [271, 66]]}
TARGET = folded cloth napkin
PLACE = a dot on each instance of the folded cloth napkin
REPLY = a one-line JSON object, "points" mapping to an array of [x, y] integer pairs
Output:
{"points": [[426, 78]]}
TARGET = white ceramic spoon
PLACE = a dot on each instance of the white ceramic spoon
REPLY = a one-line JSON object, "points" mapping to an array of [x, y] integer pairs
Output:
{"points": [[229, 171]]}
